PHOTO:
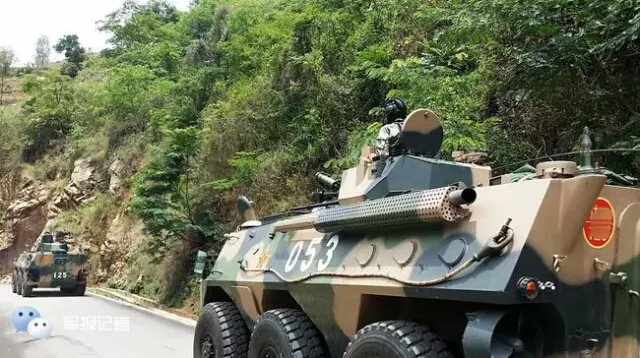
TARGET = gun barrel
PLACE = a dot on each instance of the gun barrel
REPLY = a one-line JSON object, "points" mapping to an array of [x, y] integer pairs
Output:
{"points": [[464, 196], [327, 181]]}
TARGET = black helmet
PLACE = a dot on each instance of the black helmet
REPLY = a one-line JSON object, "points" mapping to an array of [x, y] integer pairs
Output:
{"points": [[393, 109]]}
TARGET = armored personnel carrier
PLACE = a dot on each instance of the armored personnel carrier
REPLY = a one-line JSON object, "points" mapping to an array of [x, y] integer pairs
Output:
{"points": [[50, 265], [422, 257]]}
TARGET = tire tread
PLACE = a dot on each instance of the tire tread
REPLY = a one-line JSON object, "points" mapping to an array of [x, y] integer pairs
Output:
{"points": [[234, 332], [302, 334], [419, 341]]}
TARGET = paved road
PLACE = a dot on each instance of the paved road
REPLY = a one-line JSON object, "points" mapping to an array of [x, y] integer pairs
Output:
{"points": [[91, 327]]}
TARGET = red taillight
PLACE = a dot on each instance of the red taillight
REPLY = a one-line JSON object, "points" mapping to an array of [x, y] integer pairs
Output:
{"points": [[528, 287]]}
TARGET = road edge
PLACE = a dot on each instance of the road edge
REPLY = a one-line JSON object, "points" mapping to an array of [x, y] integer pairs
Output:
{"points": [[142, 304]]}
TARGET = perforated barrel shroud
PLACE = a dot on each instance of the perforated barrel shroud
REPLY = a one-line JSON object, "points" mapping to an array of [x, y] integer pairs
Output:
{"points": [[406, 209]]}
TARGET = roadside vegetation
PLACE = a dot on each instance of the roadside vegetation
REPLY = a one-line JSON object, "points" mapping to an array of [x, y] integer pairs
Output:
{"points": [[253, 96]]}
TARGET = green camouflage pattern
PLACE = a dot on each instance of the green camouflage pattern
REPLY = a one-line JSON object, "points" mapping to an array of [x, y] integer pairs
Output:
{"points": [[50, 264], [435, 258]]}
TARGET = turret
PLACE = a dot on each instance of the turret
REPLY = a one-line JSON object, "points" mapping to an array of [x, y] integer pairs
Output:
{"points": [[415, 168]]}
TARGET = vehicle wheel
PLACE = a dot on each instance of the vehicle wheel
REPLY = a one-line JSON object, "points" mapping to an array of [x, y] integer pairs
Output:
{"points": [[26, 289], [285, 333], [66, 290], [220, 332], [80, 289], [396, 339], [18, 285]]}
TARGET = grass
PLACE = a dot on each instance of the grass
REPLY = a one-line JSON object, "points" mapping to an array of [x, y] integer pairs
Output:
{"points": [[13, 96]]}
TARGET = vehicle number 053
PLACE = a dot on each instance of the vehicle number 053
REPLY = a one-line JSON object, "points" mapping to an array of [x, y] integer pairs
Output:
{"points": [[310, 254], [59, 275]]}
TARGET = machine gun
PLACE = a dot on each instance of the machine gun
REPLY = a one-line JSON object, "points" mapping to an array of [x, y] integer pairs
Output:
{"points": [[326, 182], [322, 196]]}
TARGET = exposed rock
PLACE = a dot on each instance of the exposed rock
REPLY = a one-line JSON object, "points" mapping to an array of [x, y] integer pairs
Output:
{"points": [[123, 236], [116, 170], [23, 220], [85, 181], [32, 196]]}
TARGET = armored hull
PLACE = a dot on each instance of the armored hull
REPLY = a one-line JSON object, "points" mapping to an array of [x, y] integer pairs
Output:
{"points": [[545, 267], [49, 265]]}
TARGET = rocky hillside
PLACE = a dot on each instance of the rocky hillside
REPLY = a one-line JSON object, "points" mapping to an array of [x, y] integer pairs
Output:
{"points": [[37, 207]]}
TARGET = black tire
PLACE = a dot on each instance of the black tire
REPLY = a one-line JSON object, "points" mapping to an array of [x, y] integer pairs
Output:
{"points": [[66, 290], [19, 285], [27, 290], [396, 339], [80, 289], [14, 287], [222, 329], [285, 333]]}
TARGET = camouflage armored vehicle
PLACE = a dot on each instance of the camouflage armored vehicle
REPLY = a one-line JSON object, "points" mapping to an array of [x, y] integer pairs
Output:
{"points": [[422, 257], [50, 265]]}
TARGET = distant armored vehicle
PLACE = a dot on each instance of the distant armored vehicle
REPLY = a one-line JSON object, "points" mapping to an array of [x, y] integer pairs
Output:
{"points": [[421, 257], [50, 265]]}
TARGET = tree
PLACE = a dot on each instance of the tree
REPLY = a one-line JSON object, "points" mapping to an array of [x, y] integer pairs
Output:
{"points": [[43, 50], [7, 58], [139, 24], [167, 196], [73, 53]]}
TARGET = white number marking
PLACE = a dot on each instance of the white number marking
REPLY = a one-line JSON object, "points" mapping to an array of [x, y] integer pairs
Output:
{"points": [[323, 264], [310, 253], [59, 275], [293, 257]]}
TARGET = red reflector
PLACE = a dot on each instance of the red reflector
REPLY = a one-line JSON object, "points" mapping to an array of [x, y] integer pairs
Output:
{"points": [[530, 289]]}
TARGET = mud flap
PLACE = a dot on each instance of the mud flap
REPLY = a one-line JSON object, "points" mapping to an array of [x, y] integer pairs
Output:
{"points": [[493, 334]]}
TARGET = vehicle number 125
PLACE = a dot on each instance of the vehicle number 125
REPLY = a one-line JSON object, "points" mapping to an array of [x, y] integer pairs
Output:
{"points": [[59, 275]]}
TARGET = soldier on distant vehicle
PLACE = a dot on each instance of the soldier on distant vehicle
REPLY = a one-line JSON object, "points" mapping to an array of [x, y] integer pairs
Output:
{"points": [[60, 238], [395, 112], [47, 238]]}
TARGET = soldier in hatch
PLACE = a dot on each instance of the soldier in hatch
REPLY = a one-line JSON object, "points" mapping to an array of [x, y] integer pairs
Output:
{"points": [[47, 238], [61, 238], [395, 112]]}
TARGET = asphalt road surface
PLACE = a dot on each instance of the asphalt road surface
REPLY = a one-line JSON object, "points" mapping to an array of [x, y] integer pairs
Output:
{"points": [[92, 327]]}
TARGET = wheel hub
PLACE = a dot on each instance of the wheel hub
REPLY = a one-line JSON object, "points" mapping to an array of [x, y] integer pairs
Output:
{"points": [[206, 346], [269, 352]]}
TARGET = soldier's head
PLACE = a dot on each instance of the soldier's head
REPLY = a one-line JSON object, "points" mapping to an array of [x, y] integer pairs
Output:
{"points": [[393, 109], [46, 238]]}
